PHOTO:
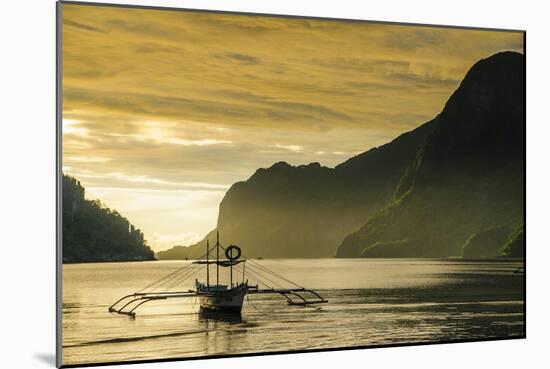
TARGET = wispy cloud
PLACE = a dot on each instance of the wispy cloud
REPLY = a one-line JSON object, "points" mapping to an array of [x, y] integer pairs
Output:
{"points": [[86, 159], [114, 177], [73, 127], [166, 241], [293, 148], [241, 58], [160, 138]]}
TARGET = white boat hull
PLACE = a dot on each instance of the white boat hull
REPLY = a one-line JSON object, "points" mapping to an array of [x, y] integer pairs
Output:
{"points": [[224, 301]]}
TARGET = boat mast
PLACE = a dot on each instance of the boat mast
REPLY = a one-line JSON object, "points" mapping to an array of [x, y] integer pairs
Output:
{"points": [[217, 258], [207, 264]]}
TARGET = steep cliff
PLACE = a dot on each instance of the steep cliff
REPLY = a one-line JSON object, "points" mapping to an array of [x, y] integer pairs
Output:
{"points": [[467, 177]]}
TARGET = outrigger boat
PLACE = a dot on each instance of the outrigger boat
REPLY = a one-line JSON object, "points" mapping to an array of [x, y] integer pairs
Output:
{"points": [[224, 298]]}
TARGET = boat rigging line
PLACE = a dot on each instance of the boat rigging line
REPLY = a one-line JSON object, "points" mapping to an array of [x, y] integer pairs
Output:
{"points": [[219, 297]]}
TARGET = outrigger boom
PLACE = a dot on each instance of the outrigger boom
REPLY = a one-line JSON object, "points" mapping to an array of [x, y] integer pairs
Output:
{"points": [[218, 297]]}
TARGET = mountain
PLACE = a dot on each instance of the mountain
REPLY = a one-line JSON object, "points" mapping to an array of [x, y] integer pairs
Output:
{"points": [[426, 193], [306, 210], [94, 233], [467, 177], [180, 252], [515, 245], [486, 243]]}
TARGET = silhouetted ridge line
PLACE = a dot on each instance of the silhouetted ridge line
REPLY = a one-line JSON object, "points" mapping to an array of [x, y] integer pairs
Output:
{"points": [[423, 194]]}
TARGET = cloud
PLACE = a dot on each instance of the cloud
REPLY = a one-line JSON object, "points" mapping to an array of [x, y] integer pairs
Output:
{"points": [[293, 148], [111, 179], [73, 127], [159, 138], [241, 58], [68, 22], [84, 159], [166, 241], [417, 38]]}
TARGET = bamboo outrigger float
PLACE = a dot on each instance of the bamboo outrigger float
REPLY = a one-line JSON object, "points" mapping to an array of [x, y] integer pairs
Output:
{"points": [[226, 298]]}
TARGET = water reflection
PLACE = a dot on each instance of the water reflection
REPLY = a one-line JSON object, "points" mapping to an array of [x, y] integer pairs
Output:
{"points": [[371, 302], [216, 316]]}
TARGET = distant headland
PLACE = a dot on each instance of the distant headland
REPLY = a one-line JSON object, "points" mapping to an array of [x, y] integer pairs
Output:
{"points": [[94, 233]]}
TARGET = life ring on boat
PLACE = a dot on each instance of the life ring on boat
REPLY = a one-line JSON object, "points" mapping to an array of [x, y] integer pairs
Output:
{"points": [[233, 252]]}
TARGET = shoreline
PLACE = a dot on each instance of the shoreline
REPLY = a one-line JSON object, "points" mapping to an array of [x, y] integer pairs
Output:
{"points": [[105, 261], [451, 259]]}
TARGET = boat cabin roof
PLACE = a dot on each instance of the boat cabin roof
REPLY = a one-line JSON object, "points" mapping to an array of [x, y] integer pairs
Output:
{"points": [[223, 262]]}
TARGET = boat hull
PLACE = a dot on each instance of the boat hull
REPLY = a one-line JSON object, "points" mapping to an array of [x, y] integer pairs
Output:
{"points": [[230, 301]]}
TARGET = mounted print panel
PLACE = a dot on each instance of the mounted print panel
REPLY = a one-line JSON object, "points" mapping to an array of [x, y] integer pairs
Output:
{"points": [[236, 184]]}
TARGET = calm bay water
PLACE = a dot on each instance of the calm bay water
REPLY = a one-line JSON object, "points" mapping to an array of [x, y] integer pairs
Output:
{"points": [[371, 302]]}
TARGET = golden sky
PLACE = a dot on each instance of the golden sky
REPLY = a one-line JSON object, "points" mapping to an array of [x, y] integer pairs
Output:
{"points": [[164, 110]]}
